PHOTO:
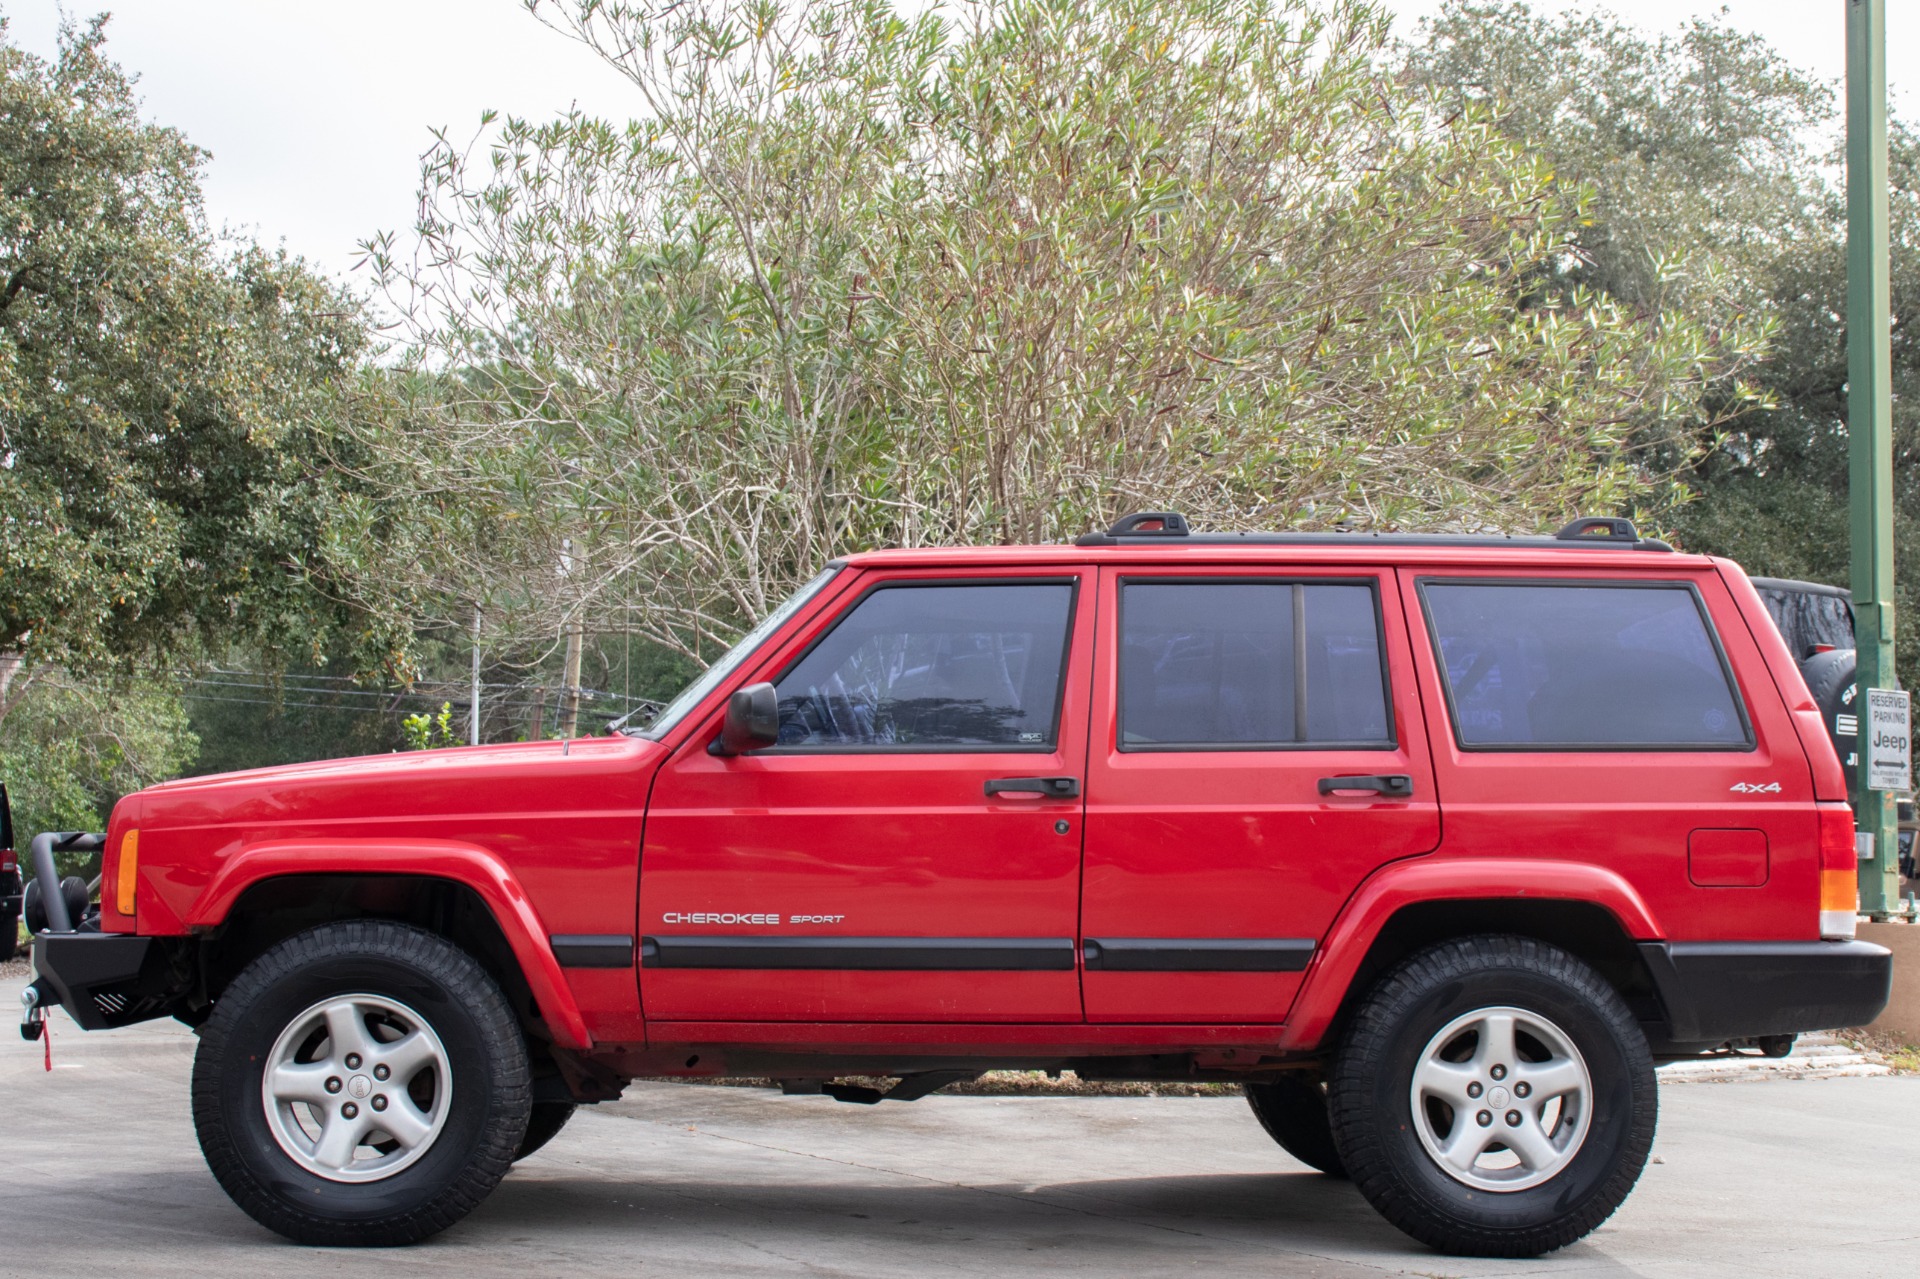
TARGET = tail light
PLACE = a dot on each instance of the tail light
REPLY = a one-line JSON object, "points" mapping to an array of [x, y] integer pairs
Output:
{"points": [[1839, 873]]}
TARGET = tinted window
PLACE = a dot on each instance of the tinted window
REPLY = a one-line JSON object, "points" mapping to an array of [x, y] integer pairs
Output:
{"points": [[1250, 664], [948, 665], [1582, 666]]}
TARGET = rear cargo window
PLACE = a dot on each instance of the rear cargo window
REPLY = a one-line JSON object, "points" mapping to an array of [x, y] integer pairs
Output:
{"points": [[923, 666], [1583, 666], [1250, 665]]}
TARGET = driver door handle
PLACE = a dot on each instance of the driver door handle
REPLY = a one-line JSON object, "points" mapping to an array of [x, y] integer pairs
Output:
{"points": [[1392, 785], [1052, 787]]}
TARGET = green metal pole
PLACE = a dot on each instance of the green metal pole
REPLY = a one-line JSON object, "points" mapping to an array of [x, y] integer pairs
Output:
{"points": [[1870, 419]]}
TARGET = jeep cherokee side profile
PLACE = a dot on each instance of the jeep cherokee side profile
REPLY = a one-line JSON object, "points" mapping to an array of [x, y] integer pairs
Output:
{"points": [[1435, 844]]}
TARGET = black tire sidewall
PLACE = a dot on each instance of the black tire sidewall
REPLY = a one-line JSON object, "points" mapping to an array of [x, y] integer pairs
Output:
{"points": [[543, 1125], [1294, 1113], [1373, 1111], [1608, 1134], [237, 1056]]}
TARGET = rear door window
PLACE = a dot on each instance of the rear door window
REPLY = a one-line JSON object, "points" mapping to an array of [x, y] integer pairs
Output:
{"points": [[1583, 666], [1250, 665], [947, 666]]}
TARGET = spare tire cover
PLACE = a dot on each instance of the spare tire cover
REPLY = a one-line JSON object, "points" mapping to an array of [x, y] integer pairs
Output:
{"points": [[1830, 678]]}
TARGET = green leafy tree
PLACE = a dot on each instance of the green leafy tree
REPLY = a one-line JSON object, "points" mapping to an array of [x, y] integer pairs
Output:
{"points": [[1712, 194], [160, 392], [164, 398], [855, 277], [76, 746]]}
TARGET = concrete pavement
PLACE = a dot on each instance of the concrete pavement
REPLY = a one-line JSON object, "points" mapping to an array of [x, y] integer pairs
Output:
{"points": [[1807, 1177]]}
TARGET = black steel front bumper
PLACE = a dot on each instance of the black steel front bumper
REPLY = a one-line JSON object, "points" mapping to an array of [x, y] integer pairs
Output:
{"points": [[1713, 992], [105, 980]]}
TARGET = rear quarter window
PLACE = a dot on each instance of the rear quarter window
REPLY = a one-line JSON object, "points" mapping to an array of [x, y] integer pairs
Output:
{"points": [[1582, 666]]}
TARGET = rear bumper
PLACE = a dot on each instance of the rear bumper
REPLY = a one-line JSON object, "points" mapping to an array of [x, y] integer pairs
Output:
{"points": [[110, 979], [1716, 991]]}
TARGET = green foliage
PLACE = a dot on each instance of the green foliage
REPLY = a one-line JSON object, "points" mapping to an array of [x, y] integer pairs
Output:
{"points": [[75, 746], [163, 400], [287, 716], [860, 278], [1709, 196], [161, 393], [425, 732], [1694, 146]]}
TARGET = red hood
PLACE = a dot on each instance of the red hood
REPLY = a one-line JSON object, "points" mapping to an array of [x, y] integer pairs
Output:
{"points": [[521, 776]]}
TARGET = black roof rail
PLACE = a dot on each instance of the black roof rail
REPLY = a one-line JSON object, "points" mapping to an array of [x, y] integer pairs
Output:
{"points": [[1149, 524], [1166, 528]]}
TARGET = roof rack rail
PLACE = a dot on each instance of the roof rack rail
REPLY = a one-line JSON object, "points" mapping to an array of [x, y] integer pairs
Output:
{"points": [[1167, 528], [1149, 524], [1595, 528]]}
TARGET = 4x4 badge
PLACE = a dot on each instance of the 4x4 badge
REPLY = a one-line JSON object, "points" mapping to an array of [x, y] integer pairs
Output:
{"points": [[1755, 788]]}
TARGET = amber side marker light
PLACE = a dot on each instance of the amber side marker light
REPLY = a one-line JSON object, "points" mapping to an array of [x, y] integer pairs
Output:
{"points": [[1839, 875], [129, 868]]}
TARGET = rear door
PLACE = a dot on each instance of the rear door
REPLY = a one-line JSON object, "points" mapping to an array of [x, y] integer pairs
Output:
{"points": [[910, 852], [1258, 752]]}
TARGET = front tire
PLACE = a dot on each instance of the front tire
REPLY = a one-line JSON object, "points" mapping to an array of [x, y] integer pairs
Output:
{"points": [[363, 1083], [1494, 1097]]}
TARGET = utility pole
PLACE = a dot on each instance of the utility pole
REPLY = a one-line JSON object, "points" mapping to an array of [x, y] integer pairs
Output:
{"points": [[570, 703], [473, 699], [1870, 428]]}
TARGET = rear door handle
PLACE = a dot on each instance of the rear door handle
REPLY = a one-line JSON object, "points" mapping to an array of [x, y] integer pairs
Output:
{"points": [[1052, 787], [1392, 785]]}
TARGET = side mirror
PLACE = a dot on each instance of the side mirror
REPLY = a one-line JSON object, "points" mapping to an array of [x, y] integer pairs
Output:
{"points": [[753, 720]]}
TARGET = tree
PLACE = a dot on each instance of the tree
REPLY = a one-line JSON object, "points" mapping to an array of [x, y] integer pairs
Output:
{"points": [[160, 392], [1712, 194], [163, 399], [855, 278], [77, 745]]}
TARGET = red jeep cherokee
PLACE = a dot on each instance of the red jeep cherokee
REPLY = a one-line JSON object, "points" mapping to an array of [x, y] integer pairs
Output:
{"points": [[1434, 844]]}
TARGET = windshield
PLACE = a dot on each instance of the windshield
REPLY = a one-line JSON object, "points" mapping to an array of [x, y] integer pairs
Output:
{"points": [[692, 694]]}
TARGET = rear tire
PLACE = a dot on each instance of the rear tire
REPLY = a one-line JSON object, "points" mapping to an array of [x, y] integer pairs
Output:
{"points": [[1555, 1099], [1293, 1110], [9, 937], [543, 1125], [363, 1083]]}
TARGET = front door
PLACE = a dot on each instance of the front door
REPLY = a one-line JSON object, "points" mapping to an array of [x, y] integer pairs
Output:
{"points": [[910, 851], [1261, 752]]}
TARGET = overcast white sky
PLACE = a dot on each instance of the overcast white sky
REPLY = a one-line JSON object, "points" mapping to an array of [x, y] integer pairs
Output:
{"points": [[316, 113]]}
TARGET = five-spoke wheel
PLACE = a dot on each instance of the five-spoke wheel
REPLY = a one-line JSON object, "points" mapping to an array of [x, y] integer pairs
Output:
{"points": [[356, 1088], [361, 1083], [1493, 1096], [1501, 1099]]}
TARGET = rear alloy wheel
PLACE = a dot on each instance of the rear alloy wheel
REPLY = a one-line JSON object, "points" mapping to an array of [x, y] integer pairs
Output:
{"points": [[1494, 1097], [363, 1083], [1293, 1110]]}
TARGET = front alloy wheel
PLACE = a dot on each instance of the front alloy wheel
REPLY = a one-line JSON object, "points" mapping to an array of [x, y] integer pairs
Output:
{"points": [[356, 1088], [363, 1083]]}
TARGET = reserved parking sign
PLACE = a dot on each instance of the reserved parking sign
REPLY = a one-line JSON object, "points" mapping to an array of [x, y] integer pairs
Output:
{"points": [[1888, 740]]}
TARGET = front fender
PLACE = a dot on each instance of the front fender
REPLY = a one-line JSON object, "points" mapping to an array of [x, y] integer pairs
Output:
{"points": [[464, 864], [1408, 883]]}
